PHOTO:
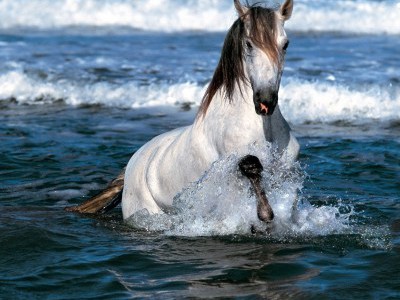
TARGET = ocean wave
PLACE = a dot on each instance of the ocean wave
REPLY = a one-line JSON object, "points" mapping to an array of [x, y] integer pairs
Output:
{"points": [[320, 102], [361, 16], [23, 89], [172, 15], [300, 101]]}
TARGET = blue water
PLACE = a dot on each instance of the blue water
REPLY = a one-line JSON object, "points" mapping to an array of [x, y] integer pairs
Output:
{"points": [[81, 93]]}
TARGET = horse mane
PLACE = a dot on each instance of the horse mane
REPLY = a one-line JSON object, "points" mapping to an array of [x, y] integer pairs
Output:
{"points": [[230, 70]]}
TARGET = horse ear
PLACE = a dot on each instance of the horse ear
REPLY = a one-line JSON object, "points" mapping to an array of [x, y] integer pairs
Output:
{"points": [[241, 9], [286, 9]]}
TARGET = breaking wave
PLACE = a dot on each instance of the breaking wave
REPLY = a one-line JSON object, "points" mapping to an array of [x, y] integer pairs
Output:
{"points": [[300, 101], [361, 16], [304, 101], [24, 89]]}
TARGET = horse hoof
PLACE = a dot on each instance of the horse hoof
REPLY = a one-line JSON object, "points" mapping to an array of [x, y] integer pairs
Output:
{"points": [[250, 166]]}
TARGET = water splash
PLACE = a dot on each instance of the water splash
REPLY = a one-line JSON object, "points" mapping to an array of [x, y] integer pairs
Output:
{"points": [[222, 203]]}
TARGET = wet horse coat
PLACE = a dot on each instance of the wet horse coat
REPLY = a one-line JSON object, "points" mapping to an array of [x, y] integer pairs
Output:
{"points": [[239, 109], [169, 162]]}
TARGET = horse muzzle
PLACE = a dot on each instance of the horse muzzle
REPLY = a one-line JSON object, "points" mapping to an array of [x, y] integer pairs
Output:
{"points": [[265, 103]]}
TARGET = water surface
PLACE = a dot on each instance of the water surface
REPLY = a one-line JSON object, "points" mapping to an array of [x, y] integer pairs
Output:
{"points": [[78, 98]]}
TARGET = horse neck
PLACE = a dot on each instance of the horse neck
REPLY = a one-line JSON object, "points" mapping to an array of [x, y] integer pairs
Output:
{"points": [[239, 107], [230, 126], [236, 121]]}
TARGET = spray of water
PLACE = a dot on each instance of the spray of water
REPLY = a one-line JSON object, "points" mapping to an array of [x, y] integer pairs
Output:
{"points": [[222, 203]]}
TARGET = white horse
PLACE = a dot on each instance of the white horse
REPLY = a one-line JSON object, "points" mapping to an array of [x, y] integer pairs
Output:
{"points": [[239, 109]]}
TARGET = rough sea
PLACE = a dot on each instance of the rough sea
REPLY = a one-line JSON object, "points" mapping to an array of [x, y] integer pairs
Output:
{"points": [[85, 83]]}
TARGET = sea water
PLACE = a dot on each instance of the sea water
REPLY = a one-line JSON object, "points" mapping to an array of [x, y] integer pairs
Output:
{"points": [[84, 84]]}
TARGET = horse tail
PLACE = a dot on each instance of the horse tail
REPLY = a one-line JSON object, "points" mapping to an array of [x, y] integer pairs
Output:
{"points": [[104, 201]]}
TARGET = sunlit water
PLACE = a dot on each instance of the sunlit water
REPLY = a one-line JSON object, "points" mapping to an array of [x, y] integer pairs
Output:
{"points": [[79, 94]]}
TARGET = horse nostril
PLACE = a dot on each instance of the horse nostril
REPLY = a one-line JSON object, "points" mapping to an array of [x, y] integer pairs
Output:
{"points": [[263, 108]]}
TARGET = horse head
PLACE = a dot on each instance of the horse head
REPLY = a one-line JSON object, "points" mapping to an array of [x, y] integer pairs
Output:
{"points": [[264, 42], [253, 53]]}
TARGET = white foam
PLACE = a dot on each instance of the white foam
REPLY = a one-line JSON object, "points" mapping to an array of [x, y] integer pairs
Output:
{"points": [[221, 203], [304, 101], [359, 16], [300, 101], [30, 90], [173, 15]]}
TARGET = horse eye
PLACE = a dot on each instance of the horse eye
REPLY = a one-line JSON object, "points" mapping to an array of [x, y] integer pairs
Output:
{"points": [[249, 45], [285, 46]]}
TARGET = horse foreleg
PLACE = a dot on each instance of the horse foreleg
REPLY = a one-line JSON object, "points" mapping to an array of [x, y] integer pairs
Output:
{"points": [[104, 201], [250, 166]]}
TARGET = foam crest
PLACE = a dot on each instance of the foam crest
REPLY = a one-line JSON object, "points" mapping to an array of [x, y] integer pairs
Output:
{"points": [[362, 16], [172, 15], [300, 101], [221, 203], [304, 101], [25, 89]]}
